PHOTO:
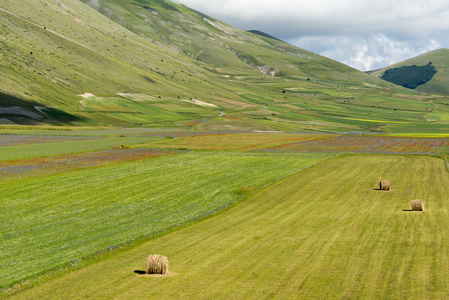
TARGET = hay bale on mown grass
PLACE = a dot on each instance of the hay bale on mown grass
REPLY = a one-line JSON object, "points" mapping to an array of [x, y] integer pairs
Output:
{"points": [[385, 185], [417, 205], [156, 264]]}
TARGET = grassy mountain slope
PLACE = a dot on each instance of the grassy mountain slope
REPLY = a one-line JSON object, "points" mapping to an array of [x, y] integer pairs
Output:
{"points": [[218, 44], [67, 49], [156, 63], [439, 59], [261, 33]]}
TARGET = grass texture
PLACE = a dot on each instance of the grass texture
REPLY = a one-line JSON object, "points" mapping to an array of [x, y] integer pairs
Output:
{"points": [[48, 147], [53, 221], [327, 232]]}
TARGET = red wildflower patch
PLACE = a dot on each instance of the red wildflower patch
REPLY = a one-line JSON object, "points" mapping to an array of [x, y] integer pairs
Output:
{"points": [[63, 163], [13, 140], [369, 144]]}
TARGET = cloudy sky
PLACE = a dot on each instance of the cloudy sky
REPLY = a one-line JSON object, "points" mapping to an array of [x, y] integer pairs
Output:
{"points": [[365, 34]]}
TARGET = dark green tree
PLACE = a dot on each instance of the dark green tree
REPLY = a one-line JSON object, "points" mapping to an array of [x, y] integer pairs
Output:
{"points": [[410, 76]]}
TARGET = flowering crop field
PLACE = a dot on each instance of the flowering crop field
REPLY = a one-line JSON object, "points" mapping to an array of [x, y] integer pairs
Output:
{"points": [[63, 163], [68, 146], [369, 144], [235, 141], [14, 140]]}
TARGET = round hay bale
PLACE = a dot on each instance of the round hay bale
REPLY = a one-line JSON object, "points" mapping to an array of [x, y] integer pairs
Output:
{"points": [[156, 264], [385, 185], [418, 205]]}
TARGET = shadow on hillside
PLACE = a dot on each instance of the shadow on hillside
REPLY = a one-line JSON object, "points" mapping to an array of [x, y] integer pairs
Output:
{"points": [[21, 111], [140, 272], [9, 100]]}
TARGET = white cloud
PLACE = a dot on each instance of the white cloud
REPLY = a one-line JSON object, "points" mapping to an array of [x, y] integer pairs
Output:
{"points": [[381, 51], [362, 33], [362, 59], [330, 15], [365, 53]]}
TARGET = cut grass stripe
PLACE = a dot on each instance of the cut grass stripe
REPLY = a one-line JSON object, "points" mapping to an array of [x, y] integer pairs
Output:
{"points": [[324, 233], [50, 222]]}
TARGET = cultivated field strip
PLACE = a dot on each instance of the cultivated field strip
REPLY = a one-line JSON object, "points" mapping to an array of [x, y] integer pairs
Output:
{"points": [[13, 140], [235, 141], [325, 233], [44, 166], [53, 221], [67, 146], [369, 144]]}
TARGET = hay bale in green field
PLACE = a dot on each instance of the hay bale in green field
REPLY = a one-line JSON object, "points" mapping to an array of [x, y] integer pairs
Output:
{"points": [[156, 264], [385, 185], [418, 205]]}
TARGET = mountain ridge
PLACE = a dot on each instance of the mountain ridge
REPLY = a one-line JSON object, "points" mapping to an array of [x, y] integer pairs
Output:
{"points": [[157, 63], [261, 33]]}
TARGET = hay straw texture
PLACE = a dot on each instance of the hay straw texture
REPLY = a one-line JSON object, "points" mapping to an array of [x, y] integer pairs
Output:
{"points": [[385, 185], [418, 205], [156, 264]]}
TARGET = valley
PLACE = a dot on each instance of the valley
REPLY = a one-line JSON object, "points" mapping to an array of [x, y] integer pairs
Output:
{"points": [[130, 128]]}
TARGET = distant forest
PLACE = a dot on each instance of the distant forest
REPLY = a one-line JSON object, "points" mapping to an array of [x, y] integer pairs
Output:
{"points": [[410, 76]]}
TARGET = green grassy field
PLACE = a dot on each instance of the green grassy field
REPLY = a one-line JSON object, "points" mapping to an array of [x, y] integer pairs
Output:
{"points": [[14, 152], [326, 232], [117, 204]]}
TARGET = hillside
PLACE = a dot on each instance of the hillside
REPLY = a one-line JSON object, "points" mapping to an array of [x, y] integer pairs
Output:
{"points": [[220, 45], [157, 63], [439, 59], [258, 32], [410, 76]]}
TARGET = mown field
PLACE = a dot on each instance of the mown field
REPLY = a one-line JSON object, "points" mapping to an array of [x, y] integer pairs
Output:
{"points": [[326, 232], [116, 196], [82, 209]]}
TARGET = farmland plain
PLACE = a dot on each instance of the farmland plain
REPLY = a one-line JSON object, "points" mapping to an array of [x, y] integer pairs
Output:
{"points": [[123, 187], [326, 232], [117, 202]]}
